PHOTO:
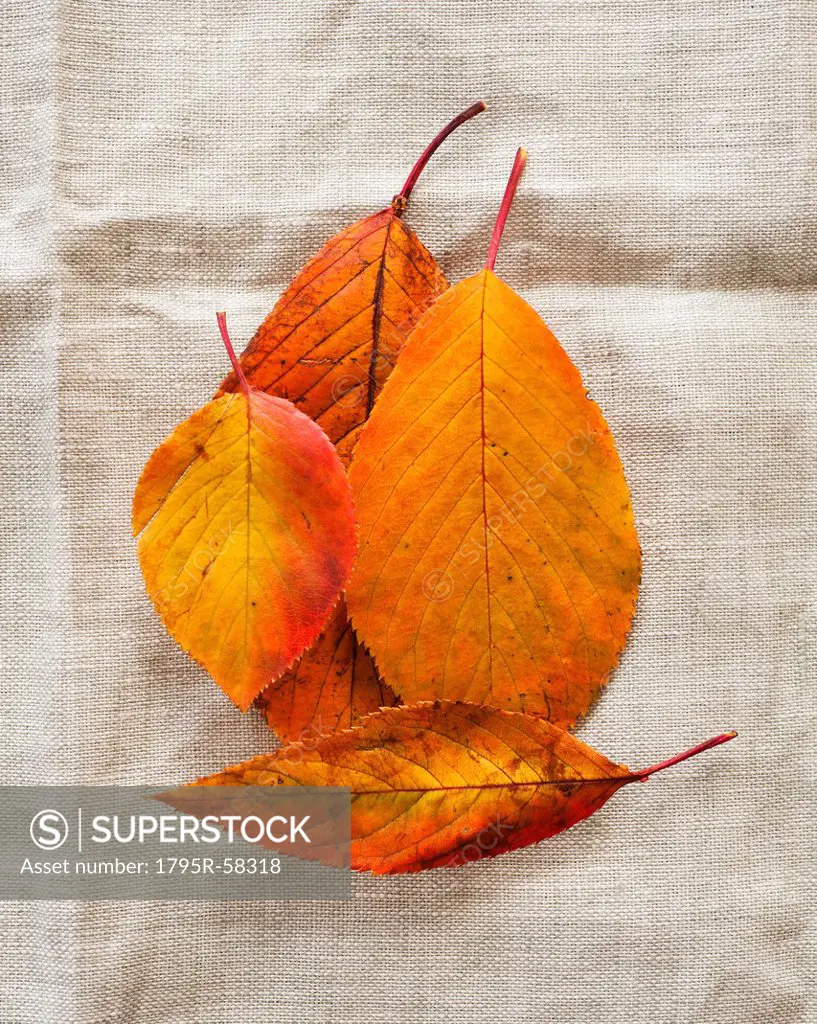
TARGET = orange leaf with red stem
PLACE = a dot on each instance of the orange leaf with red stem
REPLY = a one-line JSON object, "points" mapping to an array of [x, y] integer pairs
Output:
{"points": [[246, 535], [328, 345], [499, 561], [334, 335], [442, 784]]}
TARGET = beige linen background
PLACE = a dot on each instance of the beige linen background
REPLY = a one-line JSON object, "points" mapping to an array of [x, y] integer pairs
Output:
{"points": [[161, 161]]}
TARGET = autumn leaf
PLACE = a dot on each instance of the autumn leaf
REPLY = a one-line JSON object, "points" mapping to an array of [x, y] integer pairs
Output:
{"points": [[246, 535], [333, 686], [498, 561], [328, 345], [441, 784], [334, 335]]}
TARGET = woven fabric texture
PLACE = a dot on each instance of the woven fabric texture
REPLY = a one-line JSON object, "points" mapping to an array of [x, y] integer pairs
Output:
{"points": [[162, 161]]}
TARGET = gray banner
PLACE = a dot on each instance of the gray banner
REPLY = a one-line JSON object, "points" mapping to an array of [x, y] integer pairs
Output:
{"points": [[191, 843]]}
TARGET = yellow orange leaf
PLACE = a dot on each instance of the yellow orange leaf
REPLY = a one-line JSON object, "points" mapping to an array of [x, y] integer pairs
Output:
{"points": [[333, 686], [246, 536], [498, 561], [440, 784], [328, 346]]}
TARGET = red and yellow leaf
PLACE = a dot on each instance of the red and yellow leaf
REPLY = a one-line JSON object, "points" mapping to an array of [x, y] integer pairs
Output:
{"points": [[442, 784], [498, 561], [246, 536], [328, 346]]}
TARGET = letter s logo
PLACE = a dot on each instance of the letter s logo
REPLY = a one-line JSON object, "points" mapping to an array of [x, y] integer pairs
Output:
{"points": [[48, 830]]}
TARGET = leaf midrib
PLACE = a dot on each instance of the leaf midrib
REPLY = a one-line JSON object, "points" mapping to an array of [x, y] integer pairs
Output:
{"points": [[377, 316], [486, 786]]}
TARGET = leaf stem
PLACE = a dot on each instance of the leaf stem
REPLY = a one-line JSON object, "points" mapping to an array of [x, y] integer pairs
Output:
{"points": [[401, 199], [510, 191], [225, 337], [716, 741]]}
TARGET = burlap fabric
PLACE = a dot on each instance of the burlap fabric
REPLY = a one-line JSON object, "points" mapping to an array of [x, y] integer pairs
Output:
{"points": [[161, 161]]}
